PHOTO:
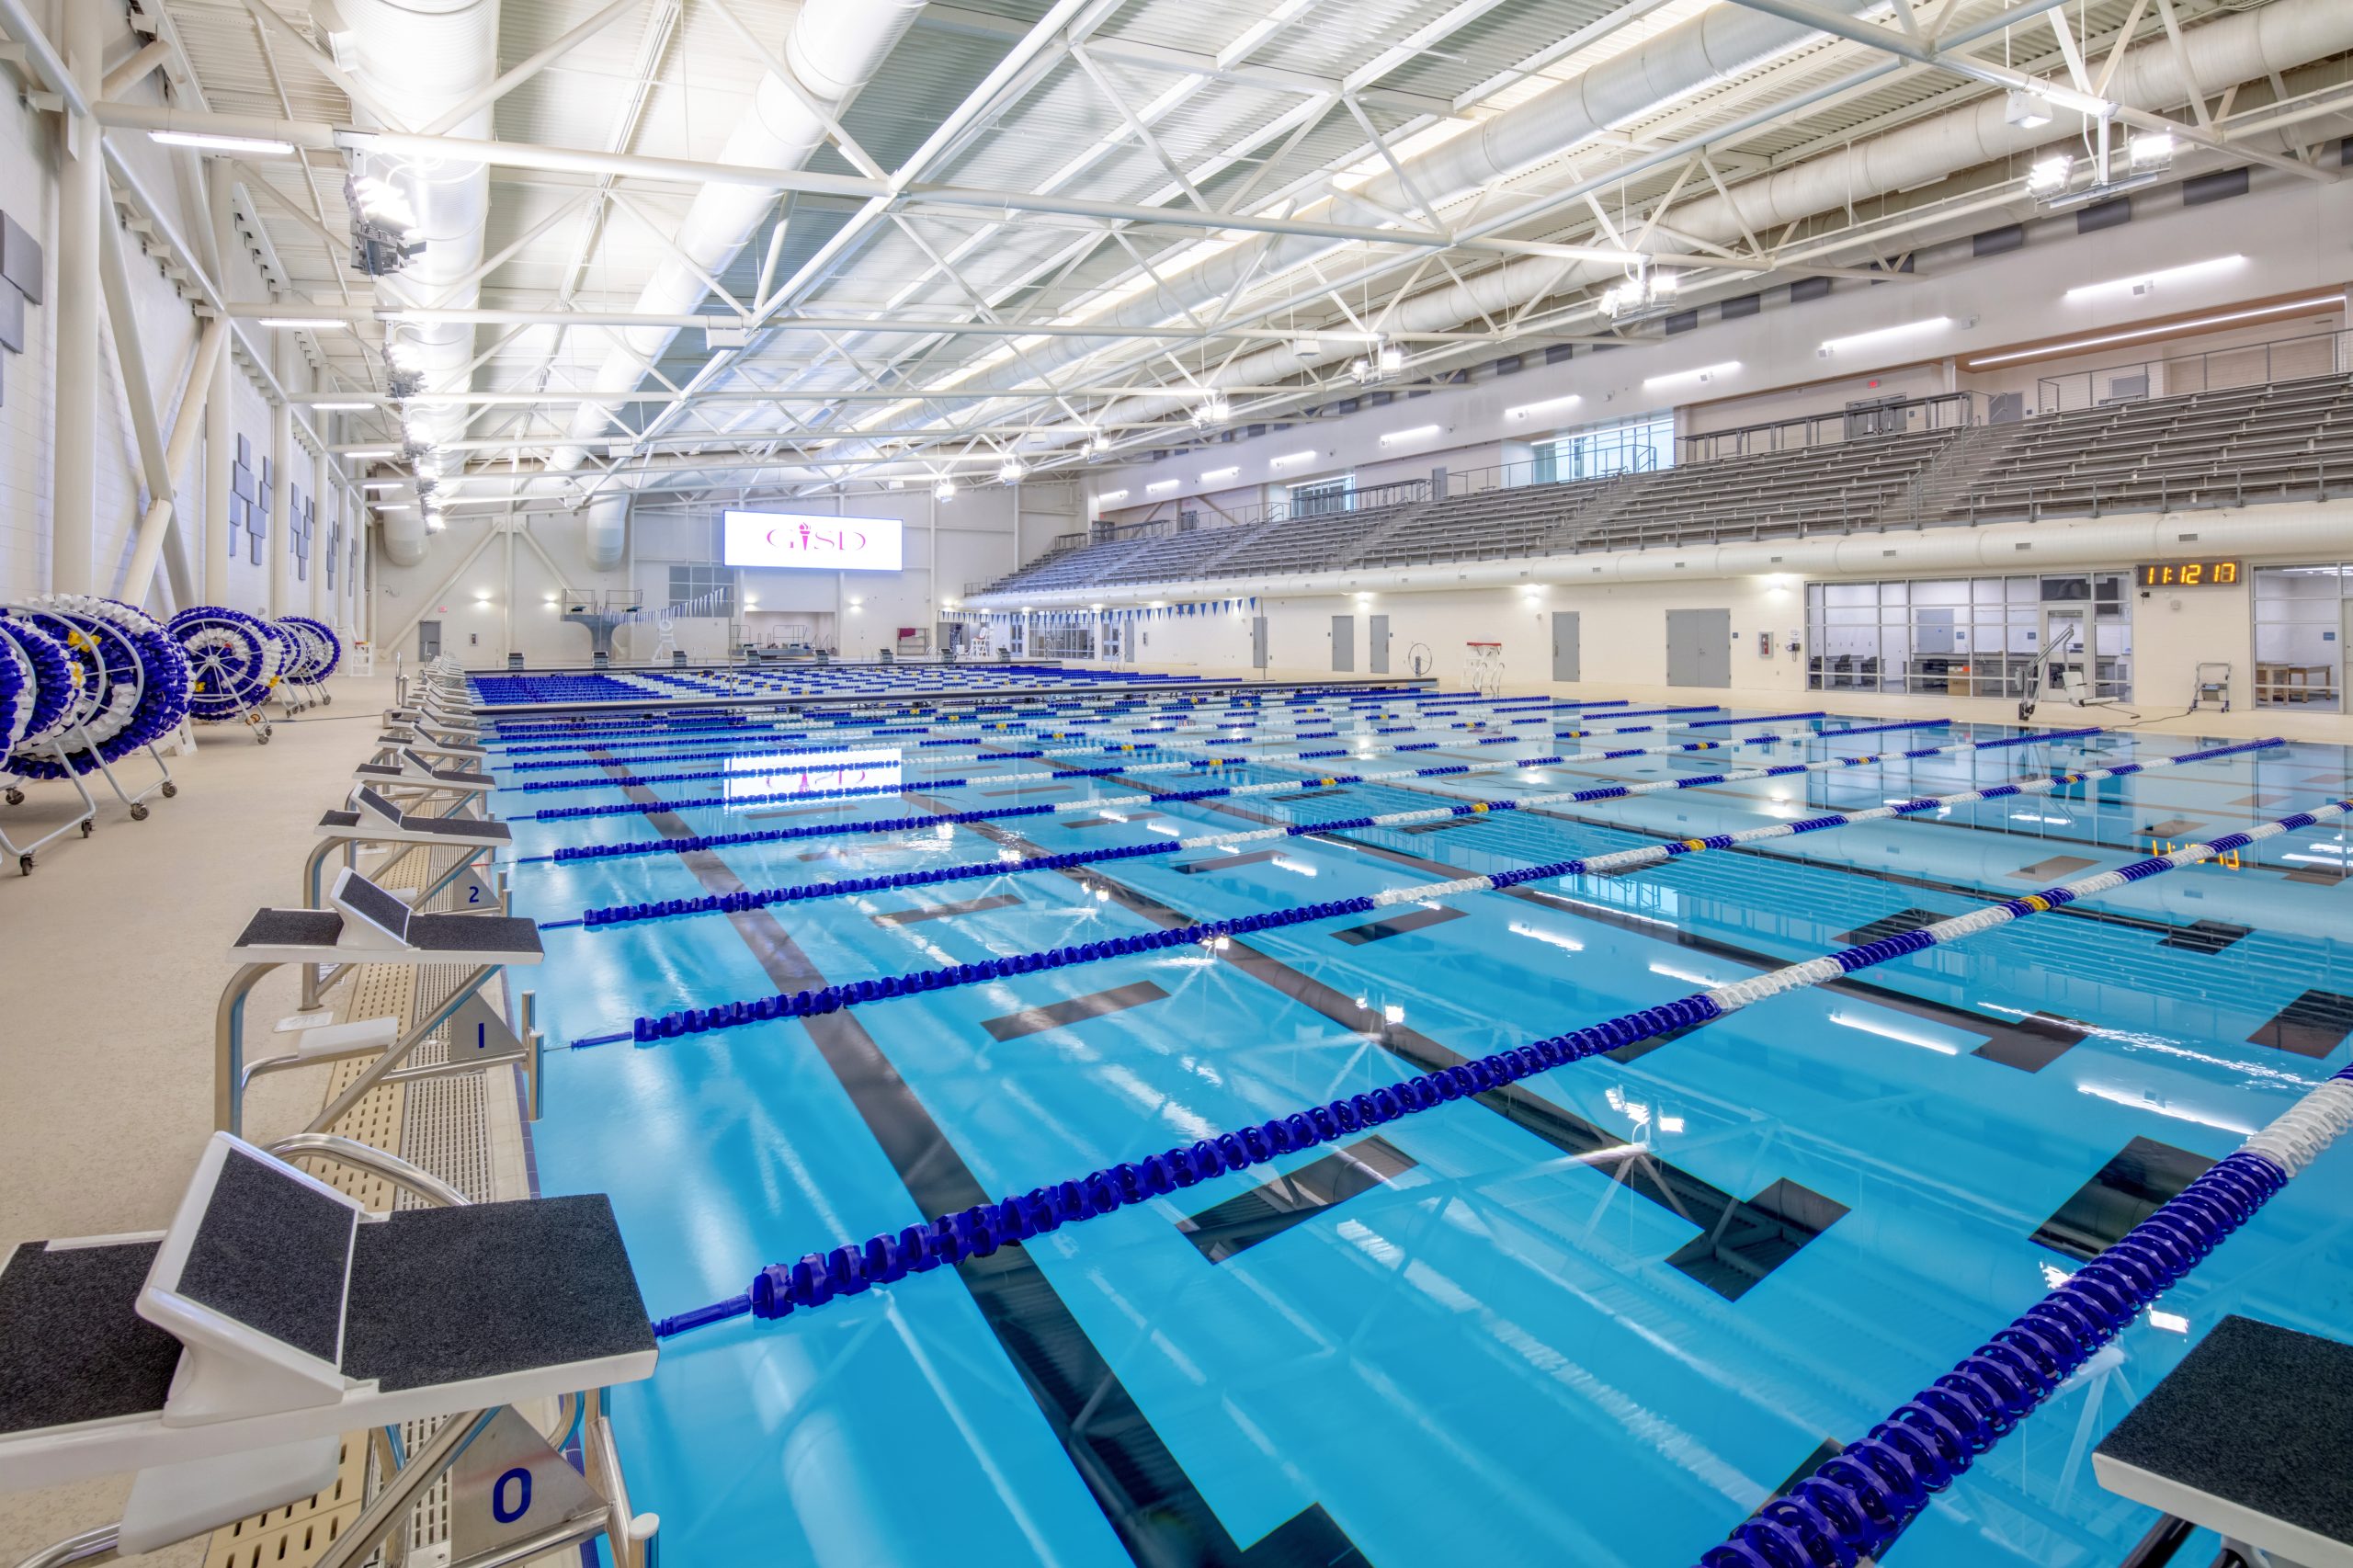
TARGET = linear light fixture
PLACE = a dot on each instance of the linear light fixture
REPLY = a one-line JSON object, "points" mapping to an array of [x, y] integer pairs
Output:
{"points": [[1289, 458], [1162, 485], [342, 407], [1417, 433], [1880, 334], [371, 454], [206, 142], [1704, 373], [382, 484], [1111, 495], [2141, 282], [2288, 307], [304, 324], [1526, 409], [1216, 473]]}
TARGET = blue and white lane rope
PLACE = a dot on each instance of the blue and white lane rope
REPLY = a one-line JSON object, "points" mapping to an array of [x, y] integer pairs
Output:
{"points": [[832, 998], [1856, 1503], [749, 898], [1061, 774], [1913, 1454], [940, 721], [824, 741], [1180, 797], [1225, 735]]}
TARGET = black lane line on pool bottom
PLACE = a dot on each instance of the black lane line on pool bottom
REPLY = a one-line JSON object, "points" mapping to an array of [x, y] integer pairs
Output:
{"points": [[1159, 1514], [1228, 1228], [1739, 1242]]}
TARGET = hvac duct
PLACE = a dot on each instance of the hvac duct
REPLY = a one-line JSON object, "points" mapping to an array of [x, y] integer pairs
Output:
{"points": [[605, 535], [2240, 47], [423, 58], [833, 48], [2275, 531]]}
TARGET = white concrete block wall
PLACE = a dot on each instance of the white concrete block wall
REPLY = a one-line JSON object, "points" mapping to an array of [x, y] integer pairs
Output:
{"points": [[168, 328]]}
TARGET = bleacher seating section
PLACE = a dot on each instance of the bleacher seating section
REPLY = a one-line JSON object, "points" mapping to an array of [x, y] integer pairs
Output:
{"points": [[2284, 440]]}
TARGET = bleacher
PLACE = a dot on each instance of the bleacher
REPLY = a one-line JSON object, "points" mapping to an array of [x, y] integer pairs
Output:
{"points": [[2282, 440], [1317, 542], [1836, 487], [1526, 521], [2205, 448], [1172, 556]]}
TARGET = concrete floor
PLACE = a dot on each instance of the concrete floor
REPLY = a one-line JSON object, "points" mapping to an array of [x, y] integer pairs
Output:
{"points": [[112, 955]]}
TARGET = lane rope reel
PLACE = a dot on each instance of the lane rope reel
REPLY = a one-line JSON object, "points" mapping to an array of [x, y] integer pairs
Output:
{"points": [[234, 658], [135, 679]]}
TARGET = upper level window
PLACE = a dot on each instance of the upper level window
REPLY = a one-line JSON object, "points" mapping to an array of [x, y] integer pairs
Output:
{"points": [[1595, 452]]}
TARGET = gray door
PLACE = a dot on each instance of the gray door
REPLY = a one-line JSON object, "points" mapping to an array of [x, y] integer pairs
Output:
{"points": [[1344, 642], [1699, 647], [1565, 645], [1376, 645], [1258, 642], [428, 639]]}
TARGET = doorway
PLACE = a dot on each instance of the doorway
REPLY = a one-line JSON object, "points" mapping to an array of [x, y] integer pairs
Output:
{"points": [[428, 639], [1376, 644], [1566, 661], [1344, 642], [1699, 647]]}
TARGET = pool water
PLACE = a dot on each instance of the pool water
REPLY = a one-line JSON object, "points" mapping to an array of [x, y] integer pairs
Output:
{"points": [[1596, 1319]]}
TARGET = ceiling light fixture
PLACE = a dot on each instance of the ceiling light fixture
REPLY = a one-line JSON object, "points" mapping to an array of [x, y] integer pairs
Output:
{"points": [[2027, 108], [1855, 340], [2049, 175], [1213, 410], [2142, 282], [342, 407], [2149, 153], [1704, 373], [1526, 409], [2194, 323], [304, 324], [205, 141], [1010, 471], [944, 491]]}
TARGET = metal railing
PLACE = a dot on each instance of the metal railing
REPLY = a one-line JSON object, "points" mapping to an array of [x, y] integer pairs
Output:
{"points": [[2212, 369], [1905, 417], [2315, 478]]}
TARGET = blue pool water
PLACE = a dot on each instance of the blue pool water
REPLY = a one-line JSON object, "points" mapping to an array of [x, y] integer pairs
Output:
{"points": [[1596, 1320]]}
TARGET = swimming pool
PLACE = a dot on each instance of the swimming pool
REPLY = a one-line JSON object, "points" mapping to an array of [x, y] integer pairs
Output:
{"points": [[1598, 1317]]}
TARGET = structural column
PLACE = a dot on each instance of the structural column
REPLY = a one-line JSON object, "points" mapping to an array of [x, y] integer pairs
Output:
{"points": [[281, 478], [220, 424], [322, 534], [81, 202]]}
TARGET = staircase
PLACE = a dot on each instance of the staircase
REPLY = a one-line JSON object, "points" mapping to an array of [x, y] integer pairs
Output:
{"points": [[1945, 486]]}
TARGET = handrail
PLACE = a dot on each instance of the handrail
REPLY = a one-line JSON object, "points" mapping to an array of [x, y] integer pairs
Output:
{"points": [[2306, 358], [374, 1161]]}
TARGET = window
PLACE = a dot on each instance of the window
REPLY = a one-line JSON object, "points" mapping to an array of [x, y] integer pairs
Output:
{"points": [[703, 591], [2299, 628], [1620, 447], [1322, 496], [1063, 642], [1969, 636]]}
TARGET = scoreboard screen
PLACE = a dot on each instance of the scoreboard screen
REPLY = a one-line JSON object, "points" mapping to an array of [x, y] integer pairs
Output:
{"points": [[2189, 573]]}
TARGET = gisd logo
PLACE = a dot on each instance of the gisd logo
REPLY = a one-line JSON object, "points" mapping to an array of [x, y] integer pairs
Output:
{"points": [[802, 539]]}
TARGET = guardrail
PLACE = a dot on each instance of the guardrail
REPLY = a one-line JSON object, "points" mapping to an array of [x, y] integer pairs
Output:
{"points": [[2212, 369]]}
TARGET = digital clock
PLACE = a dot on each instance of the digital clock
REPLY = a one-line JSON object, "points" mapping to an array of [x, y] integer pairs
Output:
{"points": [[2189, 573]]}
